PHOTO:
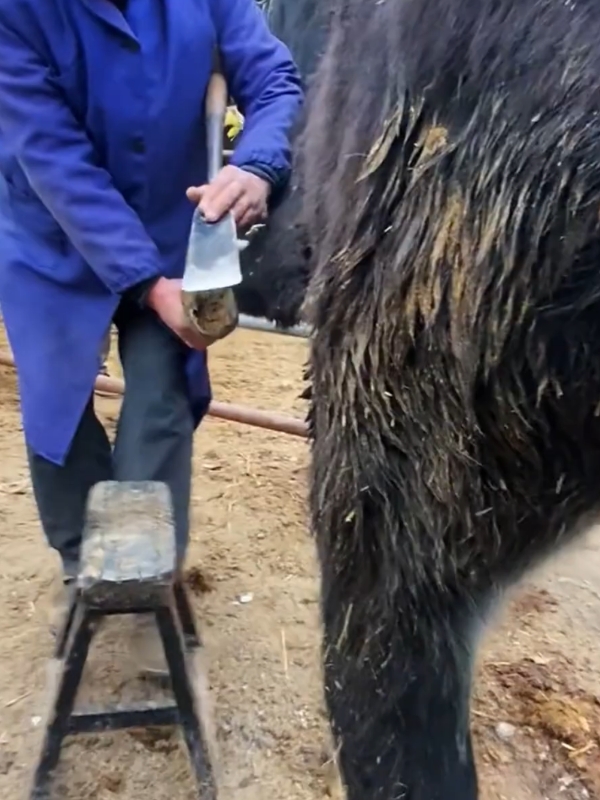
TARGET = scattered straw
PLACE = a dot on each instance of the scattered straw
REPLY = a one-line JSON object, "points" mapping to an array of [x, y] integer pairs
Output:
{"points": [[16, 700]]}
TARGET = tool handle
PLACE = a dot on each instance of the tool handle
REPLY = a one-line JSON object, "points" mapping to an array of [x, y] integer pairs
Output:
{"points": [[216, 95], [216, 108]]}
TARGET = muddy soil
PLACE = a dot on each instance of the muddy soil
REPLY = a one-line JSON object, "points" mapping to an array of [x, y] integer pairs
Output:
{"points": [[254, 580]]}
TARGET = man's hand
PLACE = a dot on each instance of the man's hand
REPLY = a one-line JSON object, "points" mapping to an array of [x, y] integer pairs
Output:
{"points": [[165, 299], [235, 190]]}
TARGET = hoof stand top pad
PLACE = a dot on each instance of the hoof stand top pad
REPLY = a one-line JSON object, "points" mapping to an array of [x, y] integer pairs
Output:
{"points": [[129, 540]]}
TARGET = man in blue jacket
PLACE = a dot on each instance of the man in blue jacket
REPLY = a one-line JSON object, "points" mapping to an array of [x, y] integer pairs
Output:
{"points": [[101, 137]]}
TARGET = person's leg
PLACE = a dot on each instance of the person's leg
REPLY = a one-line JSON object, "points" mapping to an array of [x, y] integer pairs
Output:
{"points": [[154, 433], [61, 493], [155, 429]]}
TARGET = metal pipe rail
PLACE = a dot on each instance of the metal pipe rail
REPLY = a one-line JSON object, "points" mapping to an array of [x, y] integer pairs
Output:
{"points": [[243, 414], [265, 325]]}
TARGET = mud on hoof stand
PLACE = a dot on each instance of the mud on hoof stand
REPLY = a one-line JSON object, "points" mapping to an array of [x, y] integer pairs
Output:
{"points": [[128, 566]]}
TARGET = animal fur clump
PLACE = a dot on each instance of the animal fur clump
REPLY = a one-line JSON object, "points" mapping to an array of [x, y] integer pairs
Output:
{"points": [[456, 296]]}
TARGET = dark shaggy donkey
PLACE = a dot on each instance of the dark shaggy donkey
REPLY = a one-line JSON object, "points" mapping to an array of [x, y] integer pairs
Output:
{"points": [[451, 160]]}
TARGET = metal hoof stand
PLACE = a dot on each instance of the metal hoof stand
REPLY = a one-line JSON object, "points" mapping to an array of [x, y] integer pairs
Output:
{"points": [[128, 566]]}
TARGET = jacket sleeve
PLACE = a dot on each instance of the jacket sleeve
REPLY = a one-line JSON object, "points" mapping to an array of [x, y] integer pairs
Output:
{"points": [[62, 168], [263, 81]]}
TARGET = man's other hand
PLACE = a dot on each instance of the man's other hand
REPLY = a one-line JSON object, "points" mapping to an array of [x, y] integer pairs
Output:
{"points": [[165, 299], [235, 190]]}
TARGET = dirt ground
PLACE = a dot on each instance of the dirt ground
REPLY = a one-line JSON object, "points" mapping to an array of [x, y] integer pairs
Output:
{"points": [[537, 709]]}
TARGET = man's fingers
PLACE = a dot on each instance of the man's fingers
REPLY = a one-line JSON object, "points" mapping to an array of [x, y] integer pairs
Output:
{"points": [[249, 214], [213, 199], [217, 200], [193, 341], [246, 220], [192, 337], [195, 193], [235, 190], [242, 209]]}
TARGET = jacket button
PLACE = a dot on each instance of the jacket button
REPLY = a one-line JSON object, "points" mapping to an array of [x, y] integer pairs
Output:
{"points": [[138, 145]]}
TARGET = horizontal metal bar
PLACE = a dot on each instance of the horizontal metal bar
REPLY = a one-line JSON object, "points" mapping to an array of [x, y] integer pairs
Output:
{"points": [[120, 611], [261, 324], [117, 719]]}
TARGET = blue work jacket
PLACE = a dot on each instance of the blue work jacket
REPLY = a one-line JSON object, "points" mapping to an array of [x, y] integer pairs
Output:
{"points": [[101, 132]]}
